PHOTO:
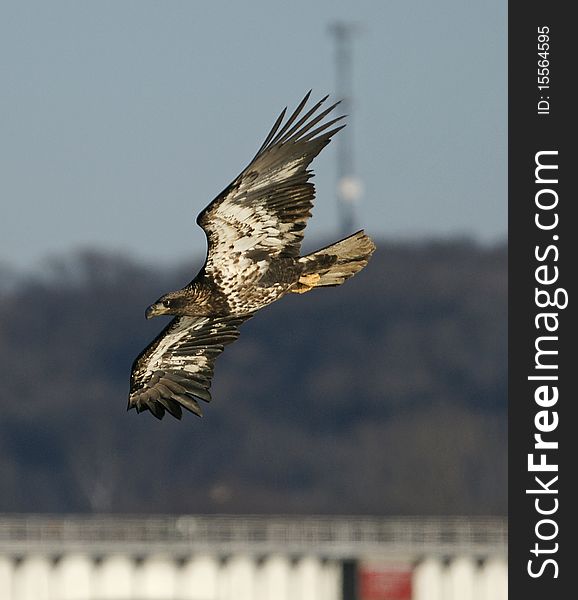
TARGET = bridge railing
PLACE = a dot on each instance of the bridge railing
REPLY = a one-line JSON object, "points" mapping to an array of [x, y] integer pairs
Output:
{"points": [[336, 537]]}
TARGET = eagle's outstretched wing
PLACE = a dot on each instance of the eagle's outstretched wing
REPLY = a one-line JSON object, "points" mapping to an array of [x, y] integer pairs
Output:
{"points": [[263, 213], [177, 367]]}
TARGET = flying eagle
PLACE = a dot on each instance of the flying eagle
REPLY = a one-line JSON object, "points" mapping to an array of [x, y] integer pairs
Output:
{"points": [[254, 230]]}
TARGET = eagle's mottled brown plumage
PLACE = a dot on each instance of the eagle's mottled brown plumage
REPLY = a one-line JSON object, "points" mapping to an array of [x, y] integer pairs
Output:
{"points": [[254, 231]]}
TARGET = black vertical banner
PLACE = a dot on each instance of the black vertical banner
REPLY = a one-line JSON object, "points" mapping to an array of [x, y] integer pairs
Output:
{"points": [[543, 253]]}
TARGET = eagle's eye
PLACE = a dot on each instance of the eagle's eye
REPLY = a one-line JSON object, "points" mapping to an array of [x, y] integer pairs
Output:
{"points": [[166, 303]]}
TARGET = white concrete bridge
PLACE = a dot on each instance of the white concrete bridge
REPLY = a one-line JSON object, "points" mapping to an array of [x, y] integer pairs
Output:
{"points": [[45, 557]]}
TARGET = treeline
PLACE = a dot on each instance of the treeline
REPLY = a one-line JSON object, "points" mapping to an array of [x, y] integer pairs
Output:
{"points": [[385, 396]]}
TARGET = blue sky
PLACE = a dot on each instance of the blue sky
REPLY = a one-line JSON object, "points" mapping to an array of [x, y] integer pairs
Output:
{"points": [[121, 120]]}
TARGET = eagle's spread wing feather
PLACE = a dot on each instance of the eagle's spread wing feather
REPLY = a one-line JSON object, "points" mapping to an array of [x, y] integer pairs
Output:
{"points": [[177, 367], [262, 214]]}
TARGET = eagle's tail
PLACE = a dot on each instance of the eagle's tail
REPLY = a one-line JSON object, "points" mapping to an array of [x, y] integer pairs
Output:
{"points": [[334, 264]]}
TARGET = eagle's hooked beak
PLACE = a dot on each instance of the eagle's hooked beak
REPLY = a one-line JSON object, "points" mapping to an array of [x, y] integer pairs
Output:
{"points": [[153, 310]]}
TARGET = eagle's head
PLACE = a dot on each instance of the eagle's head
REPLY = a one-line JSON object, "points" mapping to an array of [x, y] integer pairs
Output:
{"points": [[173, 303]]}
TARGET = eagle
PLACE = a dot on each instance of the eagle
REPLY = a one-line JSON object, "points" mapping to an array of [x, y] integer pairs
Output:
{"points": [[254, 229]]}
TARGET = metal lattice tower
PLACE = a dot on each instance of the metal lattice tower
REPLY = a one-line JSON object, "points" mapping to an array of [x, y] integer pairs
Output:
{"points": [[349, 187]]}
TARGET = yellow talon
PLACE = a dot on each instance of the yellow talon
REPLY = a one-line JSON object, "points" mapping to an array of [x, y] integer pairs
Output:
{"points": [[306, 283], [310, 280]]}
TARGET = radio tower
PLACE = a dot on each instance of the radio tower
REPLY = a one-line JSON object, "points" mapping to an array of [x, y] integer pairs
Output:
{"points": [[349, 187]]}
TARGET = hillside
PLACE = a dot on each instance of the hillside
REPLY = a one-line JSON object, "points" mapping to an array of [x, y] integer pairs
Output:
{"points": [[384, 396]]}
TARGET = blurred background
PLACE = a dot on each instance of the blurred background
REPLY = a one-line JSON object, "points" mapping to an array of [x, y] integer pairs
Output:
{"points": [[373, 414]]}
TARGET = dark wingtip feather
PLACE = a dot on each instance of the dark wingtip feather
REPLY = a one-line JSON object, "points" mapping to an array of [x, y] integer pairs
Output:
{"points": [[292, 131], [312, 135], [271, 133], [329, 134], [192, 405], [172, 406], [297, 125], [157, 409], [283, 131]]}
